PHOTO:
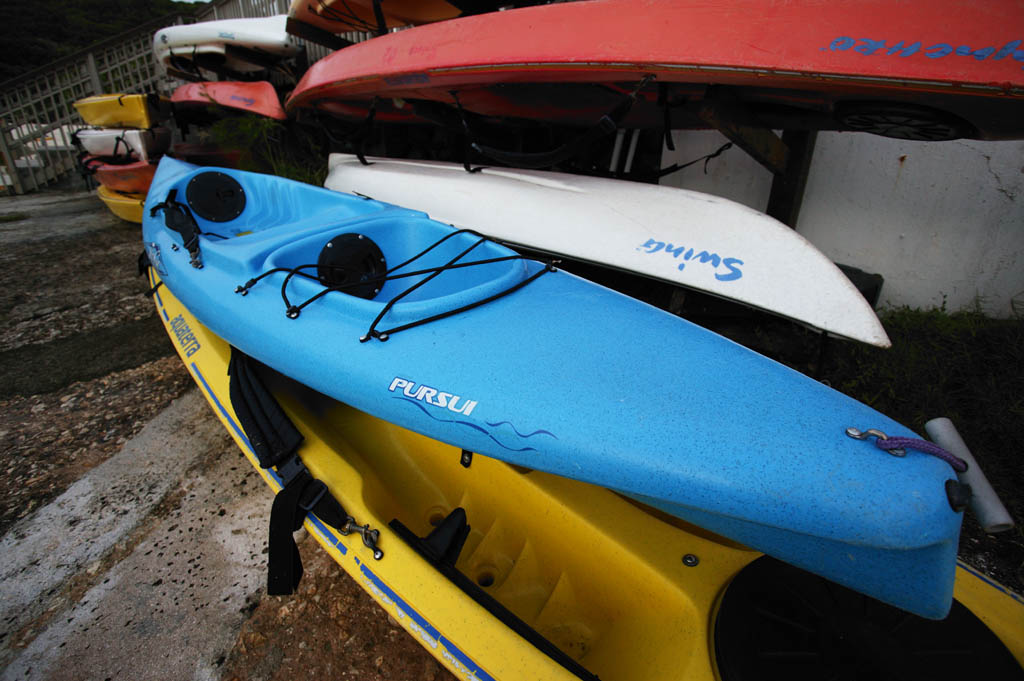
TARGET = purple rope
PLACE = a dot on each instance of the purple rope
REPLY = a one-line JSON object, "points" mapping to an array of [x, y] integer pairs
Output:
{"points": [[958, 464]]}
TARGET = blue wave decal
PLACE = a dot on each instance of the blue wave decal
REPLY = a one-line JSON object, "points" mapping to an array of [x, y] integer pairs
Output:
{"points": [[465, 423], [522, 435]]}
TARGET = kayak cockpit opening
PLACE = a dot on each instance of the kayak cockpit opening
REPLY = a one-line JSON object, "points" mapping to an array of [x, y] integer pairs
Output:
{"points": [[439, 271]]}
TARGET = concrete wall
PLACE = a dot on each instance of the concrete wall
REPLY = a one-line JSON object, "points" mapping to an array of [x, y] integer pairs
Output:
{"points": [[942, 222]]}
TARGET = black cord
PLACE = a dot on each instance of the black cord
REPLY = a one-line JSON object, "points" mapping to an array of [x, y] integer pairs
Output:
{"points": [[293, 310]]}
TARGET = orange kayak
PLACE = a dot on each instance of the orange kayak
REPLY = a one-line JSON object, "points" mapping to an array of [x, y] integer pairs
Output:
{"points": [[132, 178], [197, 99], [341, 16], [936, 69]]}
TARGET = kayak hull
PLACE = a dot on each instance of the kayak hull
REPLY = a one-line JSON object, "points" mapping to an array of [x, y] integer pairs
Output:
{"points": [[131, 178], [258, 98], [557, 374], [127, 206], [683, 237], [539, 542], [335, 16], [123, 110], [640, 603], [142, 145], [794, 65], [226, 43]]}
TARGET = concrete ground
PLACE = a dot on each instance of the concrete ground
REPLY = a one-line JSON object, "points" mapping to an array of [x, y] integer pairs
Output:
{"points": [[133, 532], [147, 565], [144, 568]]}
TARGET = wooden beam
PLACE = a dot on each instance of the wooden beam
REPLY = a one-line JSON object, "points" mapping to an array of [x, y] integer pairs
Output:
{"points": [[787, 193], [723, 111], [316, 35]]}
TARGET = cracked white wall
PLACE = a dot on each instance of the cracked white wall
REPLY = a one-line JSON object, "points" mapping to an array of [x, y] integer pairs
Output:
{"points": [[943, 222]]}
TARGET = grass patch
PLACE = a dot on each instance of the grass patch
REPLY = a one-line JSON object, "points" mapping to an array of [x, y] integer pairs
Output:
{"points": [[964, 365], [272, 147], [969, 368]]}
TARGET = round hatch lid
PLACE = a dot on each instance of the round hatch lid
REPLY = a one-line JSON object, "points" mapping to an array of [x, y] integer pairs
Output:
{"points": [[352, 262], [215, 196]]}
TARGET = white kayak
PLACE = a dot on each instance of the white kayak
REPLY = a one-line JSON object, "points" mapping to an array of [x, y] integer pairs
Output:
{"points": [[139, 144], [684, 237], [237, 44]]}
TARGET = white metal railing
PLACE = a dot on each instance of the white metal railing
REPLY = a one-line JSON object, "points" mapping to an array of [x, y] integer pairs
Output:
{"points": [[37, 118]]}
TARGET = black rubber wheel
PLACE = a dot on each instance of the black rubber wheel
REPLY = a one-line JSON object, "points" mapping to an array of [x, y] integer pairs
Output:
{"points": [[352, 260], [215, 196], [778, 622], [902, 121]]}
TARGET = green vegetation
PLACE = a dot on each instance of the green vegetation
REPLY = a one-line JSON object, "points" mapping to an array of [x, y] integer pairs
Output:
{"points": [[37, 32], [269, 146], [967, 367], [13, 217], [964, 366]]}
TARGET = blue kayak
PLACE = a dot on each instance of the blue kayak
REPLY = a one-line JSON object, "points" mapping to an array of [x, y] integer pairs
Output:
{"points": [[456, 337]]}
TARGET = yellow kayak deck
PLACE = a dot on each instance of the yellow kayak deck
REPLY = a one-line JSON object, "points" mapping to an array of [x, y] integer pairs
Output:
{"points": [[121, 110], [624, 592]]}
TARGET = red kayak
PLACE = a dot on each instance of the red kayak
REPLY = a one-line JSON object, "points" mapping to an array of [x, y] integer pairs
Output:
{"points": [[132, 178], [923, 69], [196, 99]]}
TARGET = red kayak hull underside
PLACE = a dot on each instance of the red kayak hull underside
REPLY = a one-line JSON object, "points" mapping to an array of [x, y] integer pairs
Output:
{"points": [[131, 178], [257, 98], [959, 56], [340, 16]]}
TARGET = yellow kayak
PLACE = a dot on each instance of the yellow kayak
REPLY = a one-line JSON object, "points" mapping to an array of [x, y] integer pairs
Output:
{"points": [[123, 205], [123, 110], [578, 582]]}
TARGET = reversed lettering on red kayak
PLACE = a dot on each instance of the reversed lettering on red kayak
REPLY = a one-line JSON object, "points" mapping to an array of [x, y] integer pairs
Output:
{"points": [[901, 48], [433, 396]]}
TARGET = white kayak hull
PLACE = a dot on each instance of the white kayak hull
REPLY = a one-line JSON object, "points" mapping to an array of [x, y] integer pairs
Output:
{"points": [[684, 237], [143, 145], [263, 35]]}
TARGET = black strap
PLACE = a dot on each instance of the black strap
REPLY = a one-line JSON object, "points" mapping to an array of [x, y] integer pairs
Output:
{"points": [[679, 166], [605, 126], [301, 495], [178, 217], [546, 159], [276, 440], [666, 116], [365, 132], [378, 14]]}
